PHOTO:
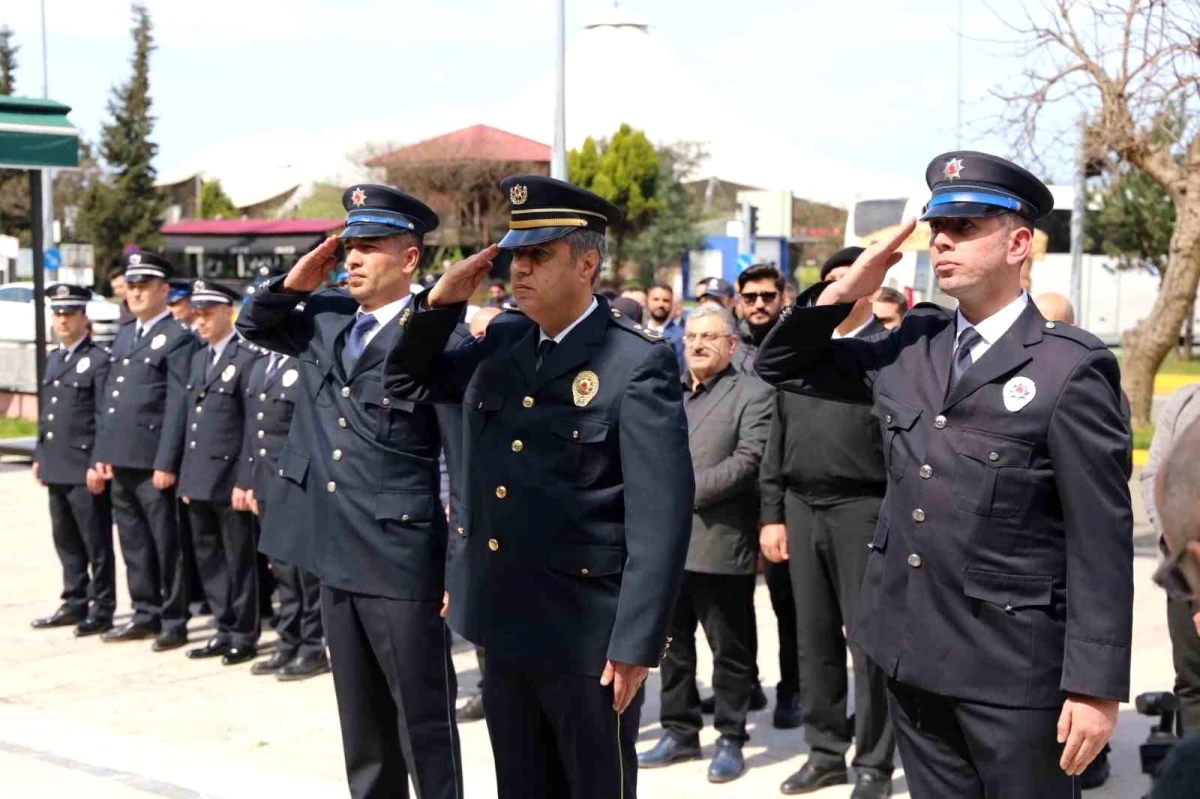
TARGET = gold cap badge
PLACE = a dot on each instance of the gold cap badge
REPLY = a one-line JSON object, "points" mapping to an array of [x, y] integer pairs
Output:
{"points": [[518, 194], [584, 388]]}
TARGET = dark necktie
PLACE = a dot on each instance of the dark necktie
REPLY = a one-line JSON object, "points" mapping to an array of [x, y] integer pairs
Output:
{"points": [[272, 364], [212, 361], [544, 349], [140, 331], [356, 342], [962, 356]]}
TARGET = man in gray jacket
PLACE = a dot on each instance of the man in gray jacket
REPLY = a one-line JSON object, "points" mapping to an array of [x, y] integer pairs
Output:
{"points": [[728, 416]]}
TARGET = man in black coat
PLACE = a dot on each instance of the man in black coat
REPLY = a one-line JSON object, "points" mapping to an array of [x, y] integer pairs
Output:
{"points": [[822, 483], [357, 504], [576, 511], [222, 528], [728, 416], [998, 595], [138, 449], [80, 512], [271, 397]]}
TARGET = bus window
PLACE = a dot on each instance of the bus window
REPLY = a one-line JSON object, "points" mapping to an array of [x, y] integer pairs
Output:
{"points": [[873, 215]]}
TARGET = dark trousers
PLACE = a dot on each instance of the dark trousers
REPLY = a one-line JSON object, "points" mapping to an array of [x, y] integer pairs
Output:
{"points": [[969, 750], [1185, 652], [81, 523], [828, 557], [193, 589], [225, 556], [723, 604], [299, 628], [146, 525], [395, 690], [481, 658], [556, 736], [266, 577], [779, 588]]}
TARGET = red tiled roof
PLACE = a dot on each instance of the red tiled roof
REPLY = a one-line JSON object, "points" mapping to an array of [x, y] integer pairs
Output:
{"points": [[251, 227], [476, 143]]}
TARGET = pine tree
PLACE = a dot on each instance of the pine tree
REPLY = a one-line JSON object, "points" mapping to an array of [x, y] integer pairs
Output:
{"points": [[8, 60], [125, 209]]}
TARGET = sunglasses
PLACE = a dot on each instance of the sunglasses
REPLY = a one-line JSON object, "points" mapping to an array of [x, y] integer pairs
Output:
{"points": [[752, 297], [1169, 576]]}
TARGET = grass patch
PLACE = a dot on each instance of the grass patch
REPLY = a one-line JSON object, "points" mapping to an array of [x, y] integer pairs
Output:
{"points": [[1173, 365], [17, 428], [1142, 436]]}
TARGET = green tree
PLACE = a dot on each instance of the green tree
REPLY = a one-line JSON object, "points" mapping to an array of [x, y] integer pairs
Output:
{"points": [[125, 208], [8, 61], [14, 183], [215, 203], [325, 202], [625, 171], [675, 229], [1133, 219]]}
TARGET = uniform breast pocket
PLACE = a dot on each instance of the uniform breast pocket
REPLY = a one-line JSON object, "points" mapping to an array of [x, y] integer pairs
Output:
{"points": [[392, 417], [992, 476], [579, 448], [897, 420]]}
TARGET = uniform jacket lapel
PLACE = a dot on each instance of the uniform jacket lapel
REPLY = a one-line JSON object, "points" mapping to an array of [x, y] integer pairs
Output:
{"points": [[226, 357], [576, 348], [1005, 356], [378, 347], [941, 354], [283, 364], [525, 355]]}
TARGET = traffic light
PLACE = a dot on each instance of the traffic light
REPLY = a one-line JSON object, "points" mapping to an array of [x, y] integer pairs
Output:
{"points": [[753, 221]]}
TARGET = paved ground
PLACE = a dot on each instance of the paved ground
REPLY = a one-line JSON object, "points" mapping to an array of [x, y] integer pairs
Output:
{"points": [[109, 721]]}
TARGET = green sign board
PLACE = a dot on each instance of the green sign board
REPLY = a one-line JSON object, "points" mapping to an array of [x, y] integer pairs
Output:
{"points": [[36, 133]]}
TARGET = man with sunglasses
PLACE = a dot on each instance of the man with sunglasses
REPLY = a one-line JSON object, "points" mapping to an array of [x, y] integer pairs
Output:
{"points": [[998, 594]]}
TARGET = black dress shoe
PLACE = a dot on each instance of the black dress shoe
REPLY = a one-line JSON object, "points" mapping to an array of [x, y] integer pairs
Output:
{"points": [[758, 701], [216, 647], [1097, 772], [727, 765], [471, 711], [92, 627], [871, 785], [170, 639], [277, 661], [788, 713], [239, 654], [63, 617], [304, 666], [668, 750], [813, 777], [129, 631]]}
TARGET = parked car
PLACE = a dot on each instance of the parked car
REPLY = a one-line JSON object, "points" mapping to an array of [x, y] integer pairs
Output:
{"points": [[16, 315]]}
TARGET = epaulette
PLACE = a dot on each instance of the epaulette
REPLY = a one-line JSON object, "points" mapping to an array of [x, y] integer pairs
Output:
{"points": [[1076, 334], [107, 350], [185, 327], [508, 307], [625, 323], [930, 307]]}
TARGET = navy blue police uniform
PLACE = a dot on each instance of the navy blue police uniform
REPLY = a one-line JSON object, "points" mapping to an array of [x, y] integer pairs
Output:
{"points": [[142, 419], [223, 536], [999, 581], [271, 397], [358, 507], [81, 522], [577, 505]]}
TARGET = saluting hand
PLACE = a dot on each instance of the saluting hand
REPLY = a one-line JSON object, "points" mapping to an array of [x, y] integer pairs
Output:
{"points": [[310, 271], [626, 679], [867, 272], [1085, 725], [462, 279]]}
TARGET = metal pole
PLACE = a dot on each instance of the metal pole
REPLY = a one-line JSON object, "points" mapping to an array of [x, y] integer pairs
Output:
{"points": [[46, 176], [1078, 209], [558, 161], [39, 279], [959, 104]]}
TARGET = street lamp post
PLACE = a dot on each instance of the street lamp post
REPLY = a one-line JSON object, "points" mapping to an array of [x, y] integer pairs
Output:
{"points": [[558, 159]]}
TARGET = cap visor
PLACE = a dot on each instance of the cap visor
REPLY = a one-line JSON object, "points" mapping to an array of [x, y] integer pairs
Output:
{"points": [[538, 235], [210, 303], [963, 211], [370, 230], [142, 278]]}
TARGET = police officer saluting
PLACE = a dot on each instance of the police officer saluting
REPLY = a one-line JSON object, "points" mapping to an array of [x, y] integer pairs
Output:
{"points": [[220, 521], [139, 446], [357, 503], [271, 397], [577, 491], [80, 513], [998, 594]]}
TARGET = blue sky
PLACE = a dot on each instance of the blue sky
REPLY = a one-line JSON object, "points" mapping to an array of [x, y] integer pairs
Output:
{"points": [[867, 86]]}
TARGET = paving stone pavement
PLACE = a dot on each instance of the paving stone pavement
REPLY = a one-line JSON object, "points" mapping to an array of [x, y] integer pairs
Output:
{"points": [[116, 721]]}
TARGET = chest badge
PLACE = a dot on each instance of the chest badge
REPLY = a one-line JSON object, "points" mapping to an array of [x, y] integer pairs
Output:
{"points": [[584, 388], [83, 365], [158, 341], [228, 373], [289, 378], [1018, 393]]}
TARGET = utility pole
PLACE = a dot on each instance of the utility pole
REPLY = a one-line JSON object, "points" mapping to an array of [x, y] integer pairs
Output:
{"points": [[1078, 209], [558, 159], [959, 104], [47, 178]]}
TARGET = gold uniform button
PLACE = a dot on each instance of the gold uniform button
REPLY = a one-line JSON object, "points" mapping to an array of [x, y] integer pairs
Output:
{"points": [[914, 560], [940, 422], [1049, 325], [342, 421], [527, 402], [345, 391], [201, 395], [501, 492], [461, 532], [262, 397], [386, 401], [518, 445], [124, 361], [926, 472], [493, 544], [337, 454], [405, 518], [574, 435], [584, 571], [331, 486], [918, 515]]}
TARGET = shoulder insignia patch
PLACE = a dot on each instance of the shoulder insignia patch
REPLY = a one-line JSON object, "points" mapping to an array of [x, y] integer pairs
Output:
{"points": [[625, 323], [1078, 335]]}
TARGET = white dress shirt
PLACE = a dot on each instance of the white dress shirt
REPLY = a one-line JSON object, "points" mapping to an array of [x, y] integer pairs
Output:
{"points": [[383, 314], [991, 329], [218, 348], [142, 329], [559, 338]]}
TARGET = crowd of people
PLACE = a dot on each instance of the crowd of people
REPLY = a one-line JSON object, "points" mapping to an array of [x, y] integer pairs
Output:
{"points": [[410, 464]]}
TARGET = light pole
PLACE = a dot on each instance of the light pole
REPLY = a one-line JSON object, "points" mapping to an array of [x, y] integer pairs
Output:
{"points": [[47, 179], [558, 159]]}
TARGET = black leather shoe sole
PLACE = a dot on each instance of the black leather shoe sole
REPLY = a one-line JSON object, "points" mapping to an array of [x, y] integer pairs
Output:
{"points": [[292, 673], [92, 627], [66, 620], [271, 666], [816, 783], [123, 634]]}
